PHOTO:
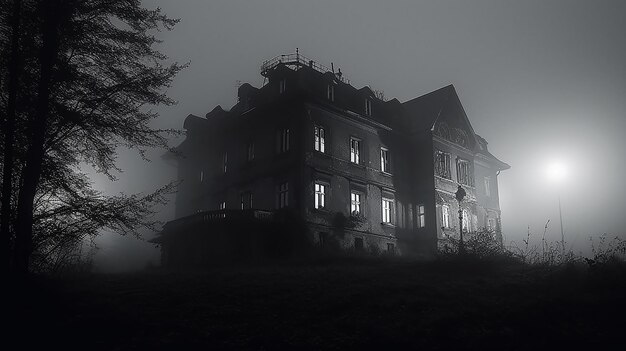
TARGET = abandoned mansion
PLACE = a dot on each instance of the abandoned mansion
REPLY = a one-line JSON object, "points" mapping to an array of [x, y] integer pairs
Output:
{"points": [[310, 143]]}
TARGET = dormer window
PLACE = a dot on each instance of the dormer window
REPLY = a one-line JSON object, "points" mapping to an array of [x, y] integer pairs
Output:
{"points": [[330, 92], [368, 107], [283, 85]]}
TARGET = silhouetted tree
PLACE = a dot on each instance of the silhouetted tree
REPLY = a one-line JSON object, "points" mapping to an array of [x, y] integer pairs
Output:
{"points": [[90, 68], [8, 125]]}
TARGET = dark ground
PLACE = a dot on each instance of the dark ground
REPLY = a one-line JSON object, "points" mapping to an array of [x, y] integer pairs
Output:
{"points": [[350, 304]]}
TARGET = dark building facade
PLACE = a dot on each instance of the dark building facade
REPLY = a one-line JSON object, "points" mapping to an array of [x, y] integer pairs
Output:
{"points": [[309, 141]]}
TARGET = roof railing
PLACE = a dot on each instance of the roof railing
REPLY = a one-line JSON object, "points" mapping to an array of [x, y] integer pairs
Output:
{"points": [[297, 61]]}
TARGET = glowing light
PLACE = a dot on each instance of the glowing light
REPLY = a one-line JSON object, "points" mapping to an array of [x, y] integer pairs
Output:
{"points": [[556, 171]]}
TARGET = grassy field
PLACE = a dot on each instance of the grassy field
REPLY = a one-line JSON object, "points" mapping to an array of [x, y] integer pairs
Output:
{"points": [[346, 304]]}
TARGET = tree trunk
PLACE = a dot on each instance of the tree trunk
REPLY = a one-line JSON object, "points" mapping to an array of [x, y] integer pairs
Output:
{"points": [[31, 173], [9, 136]]}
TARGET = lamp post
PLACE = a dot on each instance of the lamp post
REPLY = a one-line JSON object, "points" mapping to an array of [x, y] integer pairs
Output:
{"points": [[460, 195]]}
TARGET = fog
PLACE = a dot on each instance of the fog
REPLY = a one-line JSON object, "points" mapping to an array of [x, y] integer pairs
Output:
{"points": [[540, 81]]}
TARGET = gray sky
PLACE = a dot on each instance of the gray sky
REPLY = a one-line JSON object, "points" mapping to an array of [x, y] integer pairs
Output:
{"points": [[540, 80]]}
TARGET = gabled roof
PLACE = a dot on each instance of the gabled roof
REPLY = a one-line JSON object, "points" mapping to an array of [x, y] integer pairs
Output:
{"points": [[424, 110]]}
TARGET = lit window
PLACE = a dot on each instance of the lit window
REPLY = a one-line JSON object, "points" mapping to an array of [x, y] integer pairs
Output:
{"points": [[282, 141], [246, 200], [330, 92], [488, 186], [320, 139], [250, 151], [442, 164], [384, 160], [355, 150], [225, 162], [445, 216], [421, 216], [464, 172], [368, 107], [355, 203], [283, 195], [465, 220], [283, 85], [222, 205], [387, 210], [201, 176], [320, 195]]}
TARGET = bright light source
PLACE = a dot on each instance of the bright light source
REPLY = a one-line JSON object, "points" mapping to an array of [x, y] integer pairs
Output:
{"points": [[556, 171]]}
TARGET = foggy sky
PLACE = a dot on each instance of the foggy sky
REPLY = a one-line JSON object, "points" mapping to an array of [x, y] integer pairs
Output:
{"points": [[538, 79]]}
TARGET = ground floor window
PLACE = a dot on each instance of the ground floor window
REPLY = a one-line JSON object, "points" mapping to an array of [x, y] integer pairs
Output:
{"points": [[358, 243], [246, 200], [355, 203], [320, 195], [445, 216], [421, 216], [322, 239], [283, 195], [387, 205]]}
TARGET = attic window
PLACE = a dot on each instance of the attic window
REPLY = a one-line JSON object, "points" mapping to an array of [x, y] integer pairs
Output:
{"points": [[368, 107]]}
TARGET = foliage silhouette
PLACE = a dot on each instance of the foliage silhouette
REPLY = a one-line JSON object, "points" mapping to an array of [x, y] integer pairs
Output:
{"points": [[87, 72]]}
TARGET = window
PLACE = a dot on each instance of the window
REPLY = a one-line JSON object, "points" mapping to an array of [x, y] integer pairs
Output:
{"points": [[246, 200], [442, 164], [201, 176], [222, 206], [282, 141], [421, 216], [465, 220], [384, 160], [464, 172], [282, 85], [445, 216], [323, 238], [330, 92], [355, 203], [320, 139], [250, 151], [368, 107], [355, 150], [491, 224], [391, 248], [283, 195], [225, 162], [487, 186], [387, 210], [320, 195], [358, 243]]}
